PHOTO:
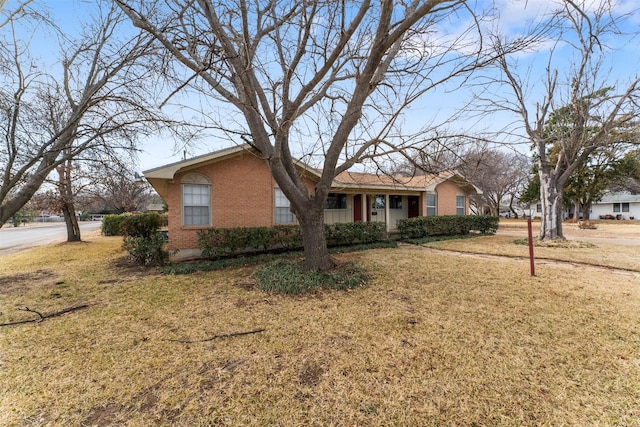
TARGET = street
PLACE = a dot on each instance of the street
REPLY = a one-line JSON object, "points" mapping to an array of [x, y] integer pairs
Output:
{"points": [[15, 239]]}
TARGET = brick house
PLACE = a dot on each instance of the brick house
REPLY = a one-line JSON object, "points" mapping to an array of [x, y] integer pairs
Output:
{"points": [[234, 188]]}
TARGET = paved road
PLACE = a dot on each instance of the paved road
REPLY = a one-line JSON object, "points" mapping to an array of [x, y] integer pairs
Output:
{"points": [[15, 239]]}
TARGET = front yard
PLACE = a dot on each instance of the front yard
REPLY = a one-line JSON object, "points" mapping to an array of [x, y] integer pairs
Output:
{"points": [[434, 339]]}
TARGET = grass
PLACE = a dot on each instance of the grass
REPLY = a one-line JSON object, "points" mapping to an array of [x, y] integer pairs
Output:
{"points": [[434, 339], [599, 251]]}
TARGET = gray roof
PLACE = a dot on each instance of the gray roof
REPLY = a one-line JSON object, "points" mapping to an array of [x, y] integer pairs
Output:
{"points": [[619, 198]]}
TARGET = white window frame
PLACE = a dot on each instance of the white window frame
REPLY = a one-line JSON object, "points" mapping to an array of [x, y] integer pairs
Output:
{"points": [[202, 200], [280, 203], [398, 198], [460, 209], [341, 197], [432, 210]]}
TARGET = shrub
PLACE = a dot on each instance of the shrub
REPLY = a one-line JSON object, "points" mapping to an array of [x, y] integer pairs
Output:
{"points": [[147, 251], [286, 276], [140, 225], [220, 242], [447, 225], [142, 239], [342, 234], [111, 224]]}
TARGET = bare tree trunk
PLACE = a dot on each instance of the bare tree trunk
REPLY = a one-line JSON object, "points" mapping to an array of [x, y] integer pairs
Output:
{"points": [[577, 209], [316, 254], [66, 202], [551, 200], [70, 219]]}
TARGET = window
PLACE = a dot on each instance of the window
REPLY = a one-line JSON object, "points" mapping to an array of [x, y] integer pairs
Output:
{"points": [[336, 201], [379, 202], [196, 203], [432, 202], [395, 202], [538, 207], [460, 205], [283, 214], [621, 207]]}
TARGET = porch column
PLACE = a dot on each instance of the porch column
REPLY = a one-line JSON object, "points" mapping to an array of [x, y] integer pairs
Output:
{"points": [[364, 207], [386, 212]]}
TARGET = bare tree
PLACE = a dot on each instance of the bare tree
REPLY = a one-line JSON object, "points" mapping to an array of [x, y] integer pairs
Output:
{"points": [[101, 99], [343, 71], [500, 174], [580, 106]]}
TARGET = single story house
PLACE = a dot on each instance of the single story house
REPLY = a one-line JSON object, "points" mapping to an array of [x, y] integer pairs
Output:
{"points": [[234, 188], [621, 205]]}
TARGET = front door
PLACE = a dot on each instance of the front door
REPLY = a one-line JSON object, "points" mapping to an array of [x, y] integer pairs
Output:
{"points": [[357, 208], [414, 206]]}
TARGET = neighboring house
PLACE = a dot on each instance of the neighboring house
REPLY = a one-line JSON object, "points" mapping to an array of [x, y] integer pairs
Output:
{"points": [[620, 205], [616, 205], [234, 188]]}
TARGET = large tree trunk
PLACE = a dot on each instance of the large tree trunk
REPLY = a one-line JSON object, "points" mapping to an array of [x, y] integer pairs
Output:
{"points": [[316, 254], [551, 199], [586, 211], [71, 220], [65, 189]]}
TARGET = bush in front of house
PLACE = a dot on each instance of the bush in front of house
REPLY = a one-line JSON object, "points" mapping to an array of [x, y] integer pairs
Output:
{"points": [[111, 224], [140, 225], [143, 240], [220, 242], [446, 225], [147, 251]]}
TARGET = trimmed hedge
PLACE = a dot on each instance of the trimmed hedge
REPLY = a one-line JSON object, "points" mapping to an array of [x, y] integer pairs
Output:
{"points": [[140, 225], [111, 224], [220, 242], [447, 225]]}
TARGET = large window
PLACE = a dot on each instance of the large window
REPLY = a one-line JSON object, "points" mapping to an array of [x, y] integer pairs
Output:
{"points": [[379, 201], [196, 204], [460, 205], [621, 207], [395, 202], [336, 201], [283, 214], [432, 203]]}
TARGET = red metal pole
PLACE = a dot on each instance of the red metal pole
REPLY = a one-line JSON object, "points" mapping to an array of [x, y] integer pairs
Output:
{"points": [[533, 267]]}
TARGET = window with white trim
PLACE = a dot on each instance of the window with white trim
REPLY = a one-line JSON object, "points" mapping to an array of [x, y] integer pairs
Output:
{"points": [[432, 204], [336, 201], [282, 213], [460, 205], [395, 202], [196, 200], [621, 207]]}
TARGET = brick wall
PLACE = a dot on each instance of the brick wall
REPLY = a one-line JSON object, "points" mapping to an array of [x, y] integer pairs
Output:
{"points": [[447, 192], [241, 196]]}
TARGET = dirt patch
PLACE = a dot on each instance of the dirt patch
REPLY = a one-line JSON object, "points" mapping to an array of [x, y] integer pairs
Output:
{"points": [[310, 374], [103, 416], [20, 283], [128, 266]]}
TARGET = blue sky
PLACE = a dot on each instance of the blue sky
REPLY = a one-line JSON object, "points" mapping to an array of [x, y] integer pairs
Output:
{"points": [[438, 105]]}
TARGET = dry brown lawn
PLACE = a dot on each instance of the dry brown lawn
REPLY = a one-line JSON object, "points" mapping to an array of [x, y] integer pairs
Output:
{"points": [[435, 339], [613, 244]]}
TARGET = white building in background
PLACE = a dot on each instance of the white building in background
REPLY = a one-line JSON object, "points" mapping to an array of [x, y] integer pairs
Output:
{"points": [[622, 205], [616, 206]]}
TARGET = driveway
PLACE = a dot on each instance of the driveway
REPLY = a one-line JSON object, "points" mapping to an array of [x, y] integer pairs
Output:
{"points": [[15, 239]]}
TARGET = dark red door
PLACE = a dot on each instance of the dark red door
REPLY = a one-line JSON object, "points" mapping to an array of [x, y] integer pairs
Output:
{"points": [[357, 208], [414, 206]]}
